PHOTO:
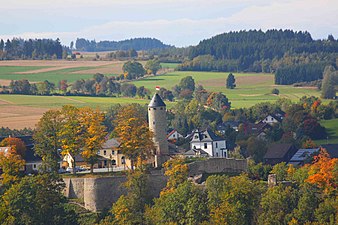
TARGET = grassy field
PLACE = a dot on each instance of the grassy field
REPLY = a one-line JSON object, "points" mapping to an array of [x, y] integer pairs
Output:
{"points": [[251, 87], [18, 111], [332, 129], [55, 70]]}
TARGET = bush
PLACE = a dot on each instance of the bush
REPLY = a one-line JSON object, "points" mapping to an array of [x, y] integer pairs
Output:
{"points": [[275, 91]]}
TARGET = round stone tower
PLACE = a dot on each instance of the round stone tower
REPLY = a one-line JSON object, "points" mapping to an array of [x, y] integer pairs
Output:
{"points": [[158, 125]]}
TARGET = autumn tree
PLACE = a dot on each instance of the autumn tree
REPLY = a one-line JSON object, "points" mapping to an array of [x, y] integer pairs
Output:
{"points": [[323, 172], [17, 143], [71, 132], [47, 139], [176, 171], [134, 135], [93, 134], [11, 163]]}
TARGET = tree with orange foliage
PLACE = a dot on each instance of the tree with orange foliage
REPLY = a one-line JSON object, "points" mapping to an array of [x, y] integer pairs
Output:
{"points": [[324, 172], [309, 143], [17, 143]]}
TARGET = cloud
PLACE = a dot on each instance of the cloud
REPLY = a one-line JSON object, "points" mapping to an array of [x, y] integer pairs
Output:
{"points": [[180, 23]]}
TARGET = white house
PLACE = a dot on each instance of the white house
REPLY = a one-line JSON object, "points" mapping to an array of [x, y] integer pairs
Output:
{"points": [[209, 142], [174, 135], [273, 119]]}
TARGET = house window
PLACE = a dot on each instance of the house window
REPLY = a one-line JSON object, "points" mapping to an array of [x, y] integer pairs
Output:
{"points": [[205, 136], [216, 154], [113, 152], [149, 109], [205, 145], [196, 136], [113, 162], [174, 135], [154, 108], [104, 152], [123, 160], [161, 108], [34, 166], [216, 145], [105, 163], [154, 122]]}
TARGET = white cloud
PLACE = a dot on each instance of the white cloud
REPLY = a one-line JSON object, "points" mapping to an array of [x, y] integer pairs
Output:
{"points": [[181, 23]]}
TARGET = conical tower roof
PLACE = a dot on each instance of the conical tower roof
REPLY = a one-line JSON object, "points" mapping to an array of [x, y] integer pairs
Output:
{"points": [[156, 101]]}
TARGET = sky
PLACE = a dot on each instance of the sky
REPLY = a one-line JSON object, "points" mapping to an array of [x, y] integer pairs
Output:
{"points": [[175, 22]]}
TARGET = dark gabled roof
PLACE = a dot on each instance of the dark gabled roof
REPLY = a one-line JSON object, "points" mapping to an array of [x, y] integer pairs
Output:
{"points": [[31, 157], [277, 151], [332, 149], [156, 101], [206, 136]]}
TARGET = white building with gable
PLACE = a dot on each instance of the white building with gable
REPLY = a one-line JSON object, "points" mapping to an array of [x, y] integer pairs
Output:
{"points": [[210, 143]]}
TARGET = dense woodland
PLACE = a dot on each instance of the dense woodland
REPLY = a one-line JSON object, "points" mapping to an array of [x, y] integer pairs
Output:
{"points": [[18, 48], [294, 56], [138, 44]]}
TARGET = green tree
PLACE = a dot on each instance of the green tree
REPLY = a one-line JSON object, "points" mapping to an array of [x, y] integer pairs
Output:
{"points": [[187, 83], [129, 208], [231, 81], [276, 205], [36, 200], [47, 139], [133, 69], [330, 79], [234, 201], [152, 66], [281, 171], [183, 205]]}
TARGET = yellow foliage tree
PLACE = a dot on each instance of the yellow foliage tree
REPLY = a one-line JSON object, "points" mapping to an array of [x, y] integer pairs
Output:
{"points": [[93, 133], [70, 132], [134, 135], [11, 163], [177, 172]]}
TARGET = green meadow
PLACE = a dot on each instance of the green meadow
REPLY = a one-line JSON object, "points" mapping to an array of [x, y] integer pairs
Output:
{"points": [[332, 130], [251, 88], [11, 73]]}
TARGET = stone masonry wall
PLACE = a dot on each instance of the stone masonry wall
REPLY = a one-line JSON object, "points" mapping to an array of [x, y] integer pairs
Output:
{"points": [[100, 193], [218, 165]]}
